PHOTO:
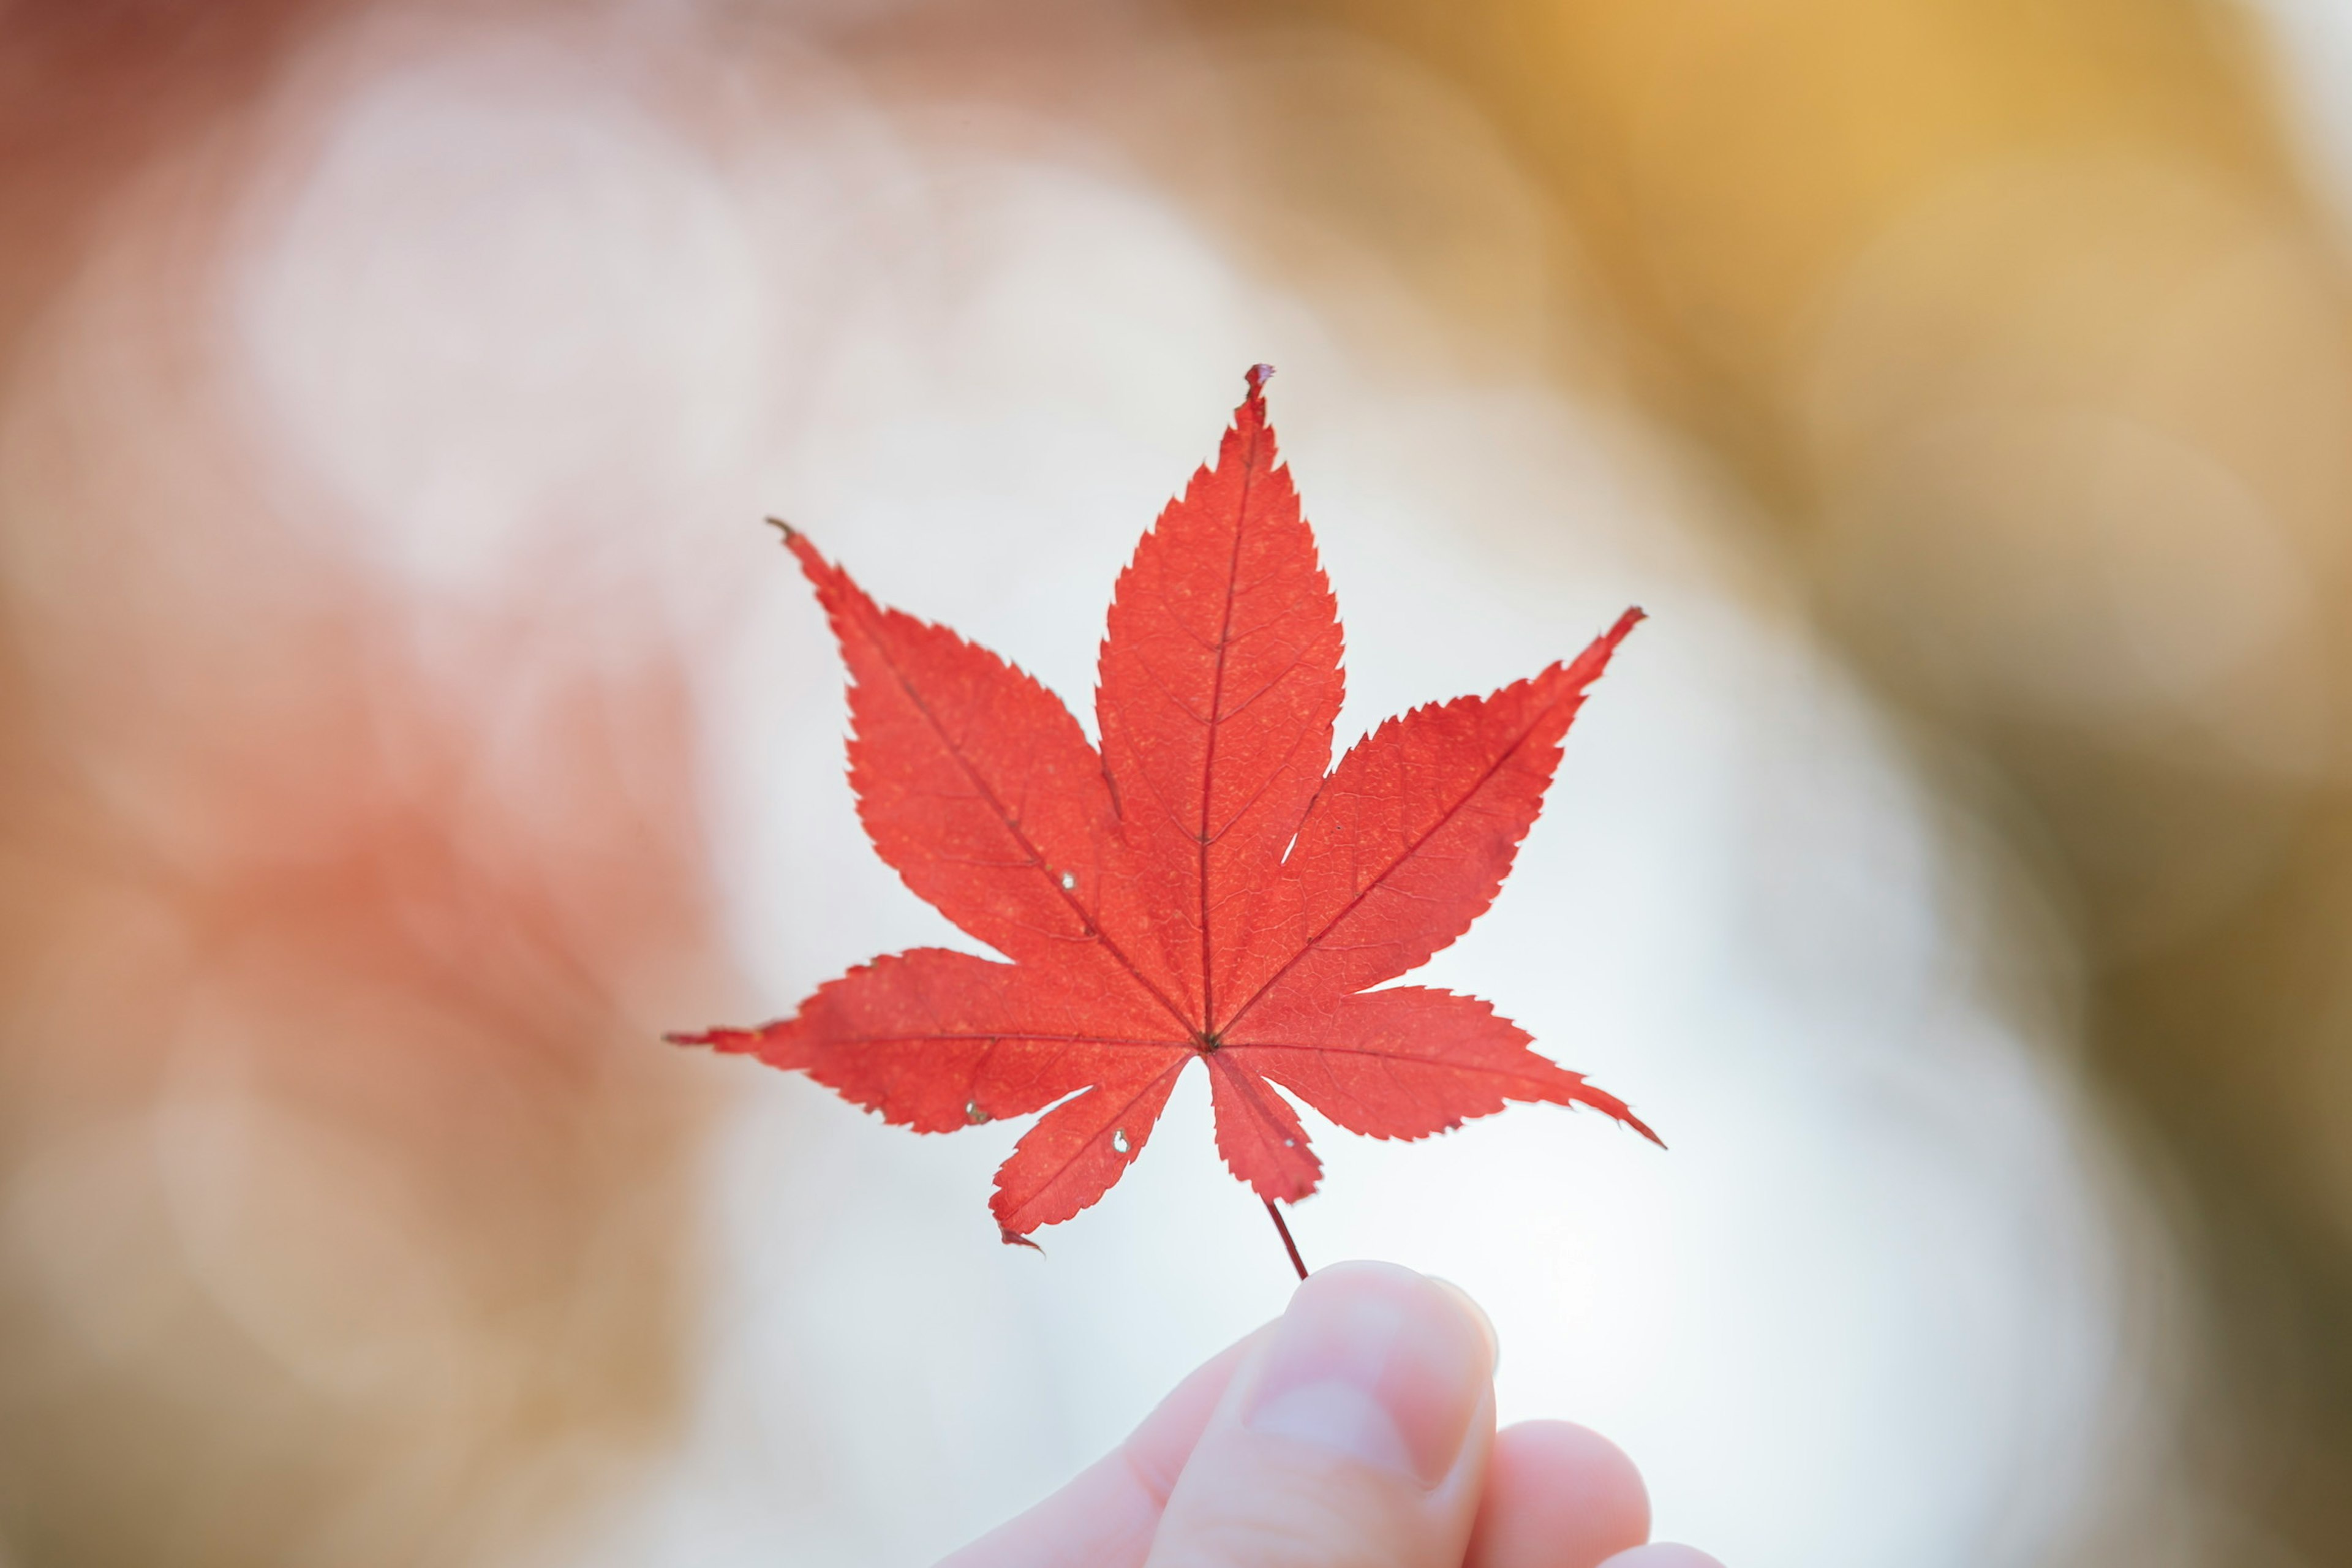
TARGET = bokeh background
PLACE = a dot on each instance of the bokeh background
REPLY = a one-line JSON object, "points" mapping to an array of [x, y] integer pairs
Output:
{"points": [[404, 718]]}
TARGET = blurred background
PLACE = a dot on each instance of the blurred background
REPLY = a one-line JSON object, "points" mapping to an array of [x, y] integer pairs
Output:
{"points": [[404, 717]]}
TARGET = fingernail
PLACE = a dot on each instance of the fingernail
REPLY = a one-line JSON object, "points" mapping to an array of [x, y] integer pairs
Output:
{"points": [[1477, 1315], [1378, 1363]]}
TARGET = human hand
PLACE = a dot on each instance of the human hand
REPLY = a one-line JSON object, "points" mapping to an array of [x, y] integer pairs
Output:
{"points": [[1357, 1430]]}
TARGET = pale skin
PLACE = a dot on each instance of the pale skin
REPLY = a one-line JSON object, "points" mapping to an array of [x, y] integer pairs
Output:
{"points": [[1355, 1431]]}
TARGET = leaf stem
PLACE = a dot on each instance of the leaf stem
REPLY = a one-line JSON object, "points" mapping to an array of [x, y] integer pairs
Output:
{"points": [[1288, 1246]]}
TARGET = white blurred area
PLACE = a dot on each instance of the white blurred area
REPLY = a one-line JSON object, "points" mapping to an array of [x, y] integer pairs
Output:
{"points": [[538, 320], [2307, 45]]}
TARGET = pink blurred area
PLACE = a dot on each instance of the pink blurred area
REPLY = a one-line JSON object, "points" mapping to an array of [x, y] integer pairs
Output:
{"points": [[348, 1217]]}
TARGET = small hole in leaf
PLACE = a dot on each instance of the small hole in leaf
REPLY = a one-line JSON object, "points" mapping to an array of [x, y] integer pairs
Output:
{"points": [[1118, 1141], [1290, 1142], [1069, 880]]}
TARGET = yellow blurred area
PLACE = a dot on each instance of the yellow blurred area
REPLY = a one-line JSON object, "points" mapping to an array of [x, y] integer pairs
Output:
{"points": [[2024, 328], [357, 734]]}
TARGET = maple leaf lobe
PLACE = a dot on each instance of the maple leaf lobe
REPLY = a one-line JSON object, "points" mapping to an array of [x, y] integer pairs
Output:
{"points": [[1205, 885], [1217, 686]]}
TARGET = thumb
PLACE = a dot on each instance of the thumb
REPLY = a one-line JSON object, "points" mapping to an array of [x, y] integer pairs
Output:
{"points": [[1356, 1433]]}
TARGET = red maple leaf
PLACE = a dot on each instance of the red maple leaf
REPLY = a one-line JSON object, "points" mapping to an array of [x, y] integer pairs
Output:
{"points": [[1200, 890]]}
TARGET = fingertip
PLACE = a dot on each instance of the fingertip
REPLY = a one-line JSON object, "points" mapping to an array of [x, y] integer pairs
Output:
{"points": [[1378, 1360], [1477, 1316], [1558, 1496], [1360, 1425]]}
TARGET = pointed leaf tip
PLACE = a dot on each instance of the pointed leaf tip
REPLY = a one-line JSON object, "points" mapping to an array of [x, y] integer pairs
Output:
{"points": [[814, 566], [1634, 616], [1257, 376], [1588, 665]]}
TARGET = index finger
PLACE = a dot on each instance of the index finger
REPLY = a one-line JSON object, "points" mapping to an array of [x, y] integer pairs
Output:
{"points": [[1105, 1518]]}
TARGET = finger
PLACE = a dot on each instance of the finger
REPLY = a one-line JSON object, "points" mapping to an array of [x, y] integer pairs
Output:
{"points": [[1106, 1517], [1664, 1554], [1356, 1433], [1557, 1496]]}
